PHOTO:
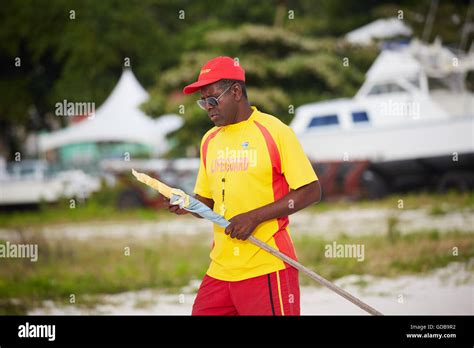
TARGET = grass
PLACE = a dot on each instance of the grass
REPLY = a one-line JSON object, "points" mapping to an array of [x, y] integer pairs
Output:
{"points": [[88, 213], [437, 204], [387, 256], [101, 207], [101, 266]]}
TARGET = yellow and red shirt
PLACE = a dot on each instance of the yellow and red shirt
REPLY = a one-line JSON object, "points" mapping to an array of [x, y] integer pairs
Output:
{"points": [[261, 160]]}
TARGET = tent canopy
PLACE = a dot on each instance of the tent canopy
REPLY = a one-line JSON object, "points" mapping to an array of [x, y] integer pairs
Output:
{"points": [[118, 119]]}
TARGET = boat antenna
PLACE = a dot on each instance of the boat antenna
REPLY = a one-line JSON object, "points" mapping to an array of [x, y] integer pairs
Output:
{"points": [[430, 20], [467, 27]]}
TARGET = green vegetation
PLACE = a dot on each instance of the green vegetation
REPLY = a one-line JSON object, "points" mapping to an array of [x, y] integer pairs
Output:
{"points": [[102, 266], [416, 252], [292, 51], [102, 207], [66, 267], [436, 204], [89, 212]]}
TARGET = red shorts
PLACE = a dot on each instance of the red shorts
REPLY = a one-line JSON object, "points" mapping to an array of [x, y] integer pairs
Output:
{"points": [[277, 293]]}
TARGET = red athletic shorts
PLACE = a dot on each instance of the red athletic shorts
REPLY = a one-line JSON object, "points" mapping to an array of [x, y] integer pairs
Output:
{"points": [[276, 293]]}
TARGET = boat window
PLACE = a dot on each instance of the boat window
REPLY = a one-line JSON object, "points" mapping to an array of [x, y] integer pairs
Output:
{"points": [[323, 121], [360, 116], [386, 88], [436, 84], [415, 82]]}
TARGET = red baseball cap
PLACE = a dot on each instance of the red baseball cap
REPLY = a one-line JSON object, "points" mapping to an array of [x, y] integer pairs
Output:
{"points": [[214, 70]]}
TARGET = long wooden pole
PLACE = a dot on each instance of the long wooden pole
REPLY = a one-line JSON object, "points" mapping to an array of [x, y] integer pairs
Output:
{"points": [[314, 276]]}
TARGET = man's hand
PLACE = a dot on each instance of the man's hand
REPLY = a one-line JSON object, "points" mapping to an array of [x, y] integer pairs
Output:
{"points": [[242, 225], [173, 208], [177, 210]]}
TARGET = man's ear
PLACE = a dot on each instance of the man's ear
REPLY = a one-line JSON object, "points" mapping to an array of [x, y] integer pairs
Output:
{"points": [[237, 90]]}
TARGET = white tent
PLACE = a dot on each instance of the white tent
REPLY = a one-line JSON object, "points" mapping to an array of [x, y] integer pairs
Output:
{"points": [[118, 119]]}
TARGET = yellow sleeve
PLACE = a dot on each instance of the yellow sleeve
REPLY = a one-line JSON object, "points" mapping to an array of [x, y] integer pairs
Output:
{"points": [[202, 184], [295, 166]]}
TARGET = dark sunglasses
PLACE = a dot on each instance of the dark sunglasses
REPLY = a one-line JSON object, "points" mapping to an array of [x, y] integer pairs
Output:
{"points": [[210, 101]]}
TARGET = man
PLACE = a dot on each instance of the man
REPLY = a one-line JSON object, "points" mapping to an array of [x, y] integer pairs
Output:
{"points": [[254, 172]]}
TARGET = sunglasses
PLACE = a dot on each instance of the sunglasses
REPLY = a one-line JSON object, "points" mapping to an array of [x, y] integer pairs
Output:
{"points": [[210, 101]]}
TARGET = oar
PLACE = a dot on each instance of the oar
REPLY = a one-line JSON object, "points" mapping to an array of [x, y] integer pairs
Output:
{"points": [[191, 204]]}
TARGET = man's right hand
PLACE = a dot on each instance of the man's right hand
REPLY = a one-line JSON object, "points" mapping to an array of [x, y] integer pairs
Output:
{"points": [[177, 210], [174, 208]]}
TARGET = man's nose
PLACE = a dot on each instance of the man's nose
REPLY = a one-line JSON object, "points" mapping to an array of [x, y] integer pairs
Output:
{"points": [[209, 107]]}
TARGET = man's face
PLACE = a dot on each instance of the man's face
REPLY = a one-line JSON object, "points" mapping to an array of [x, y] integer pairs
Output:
{"points": [[225, 112]]}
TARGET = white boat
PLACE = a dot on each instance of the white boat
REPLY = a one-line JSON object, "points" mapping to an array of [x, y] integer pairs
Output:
{"points": [[412, 120], [32, 182]]}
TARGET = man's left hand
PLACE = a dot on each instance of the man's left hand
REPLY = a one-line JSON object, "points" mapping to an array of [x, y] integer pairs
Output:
{"points": [[242, 225]]}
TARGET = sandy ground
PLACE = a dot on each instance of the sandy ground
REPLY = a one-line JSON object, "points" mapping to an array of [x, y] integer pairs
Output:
{"points": [[449, 290], [445, 291], [359, 221], [352, 222]]}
